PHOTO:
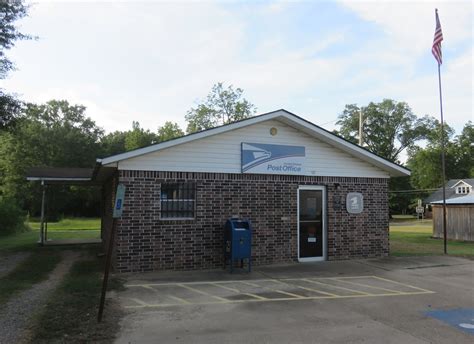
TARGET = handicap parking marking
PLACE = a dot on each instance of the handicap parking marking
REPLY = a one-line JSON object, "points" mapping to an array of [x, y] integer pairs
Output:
{"points": [[460, 318], [263, 290]]}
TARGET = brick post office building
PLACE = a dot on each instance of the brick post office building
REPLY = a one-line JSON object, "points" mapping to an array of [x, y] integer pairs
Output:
{"points": [[309, 194]]}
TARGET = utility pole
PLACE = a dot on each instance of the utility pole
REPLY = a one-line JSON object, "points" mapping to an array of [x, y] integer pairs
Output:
{"points": [[361, 139]]}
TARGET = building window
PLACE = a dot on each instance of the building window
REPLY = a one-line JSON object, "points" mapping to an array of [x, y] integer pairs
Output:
{"points": [[178, 200], [463, 190]]}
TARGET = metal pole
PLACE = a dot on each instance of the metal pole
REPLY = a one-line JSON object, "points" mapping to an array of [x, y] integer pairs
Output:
{"points": [[107, 269], [43, 198], [361, 140], [443, 162]]}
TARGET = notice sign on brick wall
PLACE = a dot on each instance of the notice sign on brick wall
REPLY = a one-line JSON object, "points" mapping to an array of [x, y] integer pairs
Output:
{"points": [[272, 159]]}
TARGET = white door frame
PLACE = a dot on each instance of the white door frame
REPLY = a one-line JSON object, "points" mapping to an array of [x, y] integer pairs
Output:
{"points": [[324, 223]]}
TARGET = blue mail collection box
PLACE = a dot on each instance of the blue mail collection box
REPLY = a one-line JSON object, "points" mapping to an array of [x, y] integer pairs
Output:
{"points": [[237, 242]]}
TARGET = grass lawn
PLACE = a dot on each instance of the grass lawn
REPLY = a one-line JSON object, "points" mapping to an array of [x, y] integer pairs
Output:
{"points": [[68, 224], [77, 228], [414, 239]]}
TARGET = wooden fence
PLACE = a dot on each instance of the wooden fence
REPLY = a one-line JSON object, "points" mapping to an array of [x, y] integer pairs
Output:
{"points": [[459, 219]]}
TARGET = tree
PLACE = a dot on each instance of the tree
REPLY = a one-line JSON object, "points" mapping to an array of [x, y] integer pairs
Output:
{"points": [[464, 147], [10, 12], [389, 127], [54, 134], [169, 131], [425, 163], [222, 106], [139, 137], [113, 143]]}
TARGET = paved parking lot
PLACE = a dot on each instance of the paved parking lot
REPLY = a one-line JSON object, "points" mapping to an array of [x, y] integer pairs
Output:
{"points": [[263, 290], [394, 300]]}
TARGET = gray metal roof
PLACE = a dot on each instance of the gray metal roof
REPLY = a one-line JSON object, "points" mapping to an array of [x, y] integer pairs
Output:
{"points": [[450, 191], [465, 199], [70, 175]]}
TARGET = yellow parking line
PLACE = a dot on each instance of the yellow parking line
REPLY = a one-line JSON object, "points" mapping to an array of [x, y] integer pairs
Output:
{"points": [[140, 302], [275, 290], [145, 305], [201, 292], [306, 288], [189, 283], [337, 287], [403, 284], [368, 286], [179, 299], [239, 291], [176, 298]]}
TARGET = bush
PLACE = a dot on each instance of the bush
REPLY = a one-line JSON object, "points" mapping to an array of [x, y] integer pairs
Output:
{"points": [[12, 217]]}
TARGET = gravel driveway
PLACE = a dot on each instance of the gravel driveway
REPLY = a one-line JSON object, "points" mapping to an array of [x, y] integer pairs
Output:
{"points": [[16, 314], [9, 261]]}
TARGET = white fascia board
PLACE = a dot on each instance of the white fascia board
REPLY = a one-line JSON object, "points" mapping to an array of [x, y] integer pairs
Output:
{"points": [[348, 147], [461, 181], [188, 138]]}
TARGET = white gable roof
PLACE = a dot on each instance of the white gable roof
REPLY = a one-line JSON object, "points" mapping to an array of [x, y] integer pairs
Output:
{"points": [[459, 182], [282, 116]]}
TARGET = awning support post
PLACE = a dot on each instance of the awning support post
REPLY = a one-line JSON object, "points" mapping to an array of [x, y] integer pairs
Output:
{"points": [[43, 199]]}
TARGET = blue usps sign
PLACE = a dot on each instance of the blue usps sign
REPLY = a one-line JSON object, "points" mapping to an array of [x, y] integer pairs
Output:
{"points": [[119, 197], [272, 159], [461, 318]]}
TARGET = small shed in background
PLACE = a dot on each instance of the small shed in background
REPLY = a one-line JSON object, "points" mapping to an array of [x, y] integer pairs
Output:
{"points": [[459, 218]]}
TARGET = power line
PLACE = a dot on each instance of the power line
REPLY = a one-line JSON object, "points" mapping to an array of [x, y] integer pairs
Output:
{"points": [[329, 122], [411, 191]]}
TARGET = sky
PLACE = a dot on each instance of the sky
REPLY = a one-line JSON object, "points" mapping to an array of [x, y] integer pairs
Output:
{"points": [[151, 61]]}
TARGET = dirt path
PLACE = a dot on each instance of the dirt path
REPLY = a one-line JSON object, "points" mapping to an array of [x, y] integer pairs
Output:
{"points": [[9, 261], [16, 314]]}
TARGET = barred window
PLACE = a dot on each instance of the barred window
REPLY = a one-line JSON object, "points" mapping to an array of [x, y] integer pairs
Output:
{"points": [[178, 200]]}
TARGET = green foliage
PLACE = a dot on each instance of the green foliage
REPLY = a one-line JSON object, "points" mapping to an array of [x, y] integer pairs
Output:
{"points": [[169, 131], [222, 106], [12, 217], [123, 141], [389, 127], [53, 134], [113, 143], [10, 13], [139, 137], [401, 202], [426, 162]]}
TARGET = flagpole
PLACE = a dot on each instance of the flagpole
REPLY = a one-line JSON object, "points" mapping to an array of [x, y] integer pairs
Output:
{"points": [[443, 160]]}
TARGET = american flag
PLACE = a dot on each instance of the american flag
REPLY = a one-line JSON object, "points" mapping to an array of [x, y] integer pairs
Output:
{"points": [[438, 37]]}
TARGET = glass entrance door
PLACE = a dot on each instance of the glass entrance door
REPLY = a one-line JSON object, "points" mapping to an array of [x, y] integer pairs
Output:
{"points": [[311, 223]]}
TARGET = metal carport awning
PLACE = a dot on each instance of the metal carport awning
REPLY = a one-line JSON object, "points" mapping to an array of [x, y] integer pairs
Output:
{"points": [[96, 176]]}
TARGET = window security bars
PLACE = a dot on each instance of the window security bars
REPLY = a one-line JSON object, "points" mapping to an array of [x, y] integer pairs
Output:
{"points": [[178, 200]]}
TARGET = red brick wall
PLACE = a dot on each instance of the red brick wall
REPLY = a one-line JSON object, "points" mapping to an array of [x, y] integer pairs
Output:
{"points": [[146, 243]]}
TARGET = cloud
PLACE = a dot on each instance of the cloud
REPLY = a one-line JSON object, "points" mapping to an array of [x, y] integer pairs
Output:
{"points": [[151, 62], [410, 24]]}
